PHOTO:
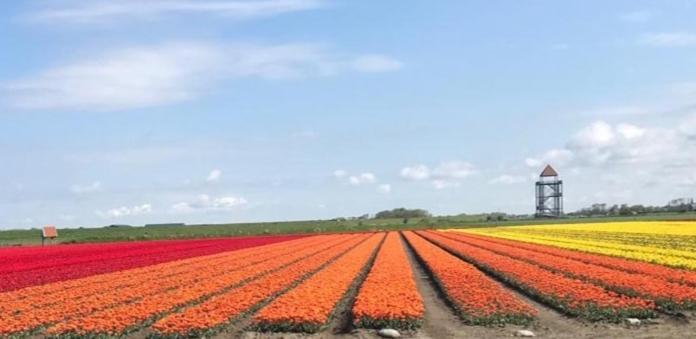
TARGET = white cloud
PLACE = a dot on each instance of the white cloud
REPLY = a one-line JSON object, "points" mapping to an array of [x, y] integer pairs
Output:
{"points": [[169, 73], [670, 39], [362, 179], [88, 188], [602, 143], [417, 172], [629, 131], [447, 174], [533, 162], [205, 202], [125, 211], [598, 134], [365, 178], [442, 184], [135, 77], [508, 179], [454, 170], [555, 156], [626, 162], [128, 10], [340, 173], [376, 63], [384, 188], [637, 16], [214, 175], [624, 151], [688, 126]]}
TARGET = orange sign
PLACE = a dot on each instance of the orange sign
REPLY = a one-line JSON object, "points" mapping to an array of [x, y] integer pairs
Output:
{"points": [[50, 232]]}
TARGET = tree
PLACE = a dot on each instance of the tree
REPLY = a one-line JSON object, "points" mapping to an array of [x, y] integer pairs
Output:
{"points": [[402, 213]]}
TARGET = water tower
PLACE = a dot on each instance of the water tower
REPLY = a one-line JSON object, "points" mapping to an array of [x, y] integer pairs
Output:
{"points": [[549, 194]]}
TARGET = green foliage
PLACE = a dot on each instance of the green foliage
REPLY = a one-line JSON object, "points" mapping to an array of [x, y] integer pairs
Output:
{"points": [[402, 213]]}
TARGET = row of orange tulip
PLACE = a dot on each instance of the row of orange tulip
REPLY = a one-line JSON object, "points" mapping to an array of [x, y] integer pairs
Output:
{"points": [[389, 296], [24, 311], [569, 295], [221, 309], [476, 298], [124, 317], [309, 306], [664, 293]]}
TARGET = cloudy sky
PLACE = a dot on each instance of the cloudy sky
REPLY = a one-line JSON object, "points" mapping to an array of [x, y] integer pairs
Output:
{"points": [[225, 111]]}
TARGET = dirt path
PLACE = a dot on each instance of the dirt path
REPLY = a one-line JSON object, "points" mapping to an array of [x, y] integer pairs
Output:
{"points": [[342, 319], [439, 319]]}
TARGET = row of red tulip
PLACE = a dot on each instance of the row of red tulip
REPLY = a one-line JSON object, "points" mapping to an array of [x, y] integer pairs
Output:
{"points": [[23, 267]]}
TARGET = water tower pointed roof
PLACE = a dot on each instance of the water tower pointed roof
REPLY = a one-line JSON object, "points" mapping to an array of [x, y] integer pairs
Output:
{"points": [[548, 172]]}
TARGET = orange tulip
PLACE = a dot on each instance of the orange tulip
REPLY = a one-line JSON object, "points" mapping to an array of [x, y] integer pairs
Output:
{"points": [[222, 308], [476, 298], [568, 295], [665, 293], [389, 297], [70, 302], [308, 307]]}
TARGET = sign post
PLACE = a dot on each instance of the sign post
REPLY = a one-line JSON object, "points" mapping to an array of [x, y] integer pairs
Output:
{"points": [[49, 232]]}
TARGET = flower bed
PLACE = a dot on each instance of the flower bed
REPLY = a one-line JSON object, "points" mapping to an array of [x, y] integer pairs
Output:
{"points": [[389, 296], [632, 266], [669, 243], [203, 319], [23, 267], [38, 306], [475, 297], [571, 296], [308, 307], [665, 294]]}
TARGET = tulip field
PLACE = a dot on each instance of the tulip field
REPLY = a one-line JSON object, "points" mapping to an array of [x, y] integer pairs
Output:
{"points": [[485, 280]]}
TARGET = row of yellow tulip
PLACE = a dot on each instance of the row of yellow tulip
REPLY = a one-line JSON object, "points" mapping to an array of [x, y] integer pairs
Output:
{"points": [[665, 243]]}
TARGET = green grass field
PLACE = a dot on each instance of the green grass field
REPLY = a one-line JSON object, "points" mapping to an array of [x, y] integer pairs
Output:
{"points": [[102, 234]]}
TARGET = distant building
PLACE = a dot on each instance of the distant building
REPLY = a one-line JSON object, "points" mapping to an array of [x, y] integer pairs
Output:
{"points": [[549, 194]]}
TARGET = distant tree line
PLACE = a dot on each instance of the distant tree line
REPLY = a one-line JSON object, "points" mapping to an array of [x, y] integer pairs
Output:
{"points": [[402, 213], [681, 205]]}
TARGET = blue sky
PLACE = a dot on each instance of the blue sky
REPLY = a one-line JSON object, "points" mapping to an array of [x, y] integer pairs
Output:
{"points": [[225, 111]]}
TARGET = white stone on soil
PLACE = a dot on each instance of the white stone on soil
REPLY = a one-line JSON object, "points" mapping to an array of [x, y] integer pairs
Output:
{"points": [[525, 333], [389, 333], [633, 321]]}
